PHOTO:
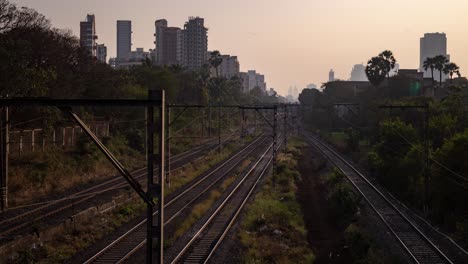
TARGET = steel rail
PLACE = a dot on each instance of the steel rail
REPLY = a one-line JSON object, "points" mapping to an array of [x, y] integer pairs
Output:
{"points": [[140, 173], [223, 204], [416, 257], [134, 229]]}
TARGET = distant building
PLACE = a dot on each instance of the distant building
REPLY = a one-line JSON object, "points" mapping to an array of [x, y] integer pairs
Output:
{"points": [[88, 34], [411, 73], [167, 43], [252, 79], [113, 63], [358, 73], [349, 89], [134, 58], [101, 53], [124, 39], [228, 68], [331, 76], [311, 86], [195, 43], [431, 45]]}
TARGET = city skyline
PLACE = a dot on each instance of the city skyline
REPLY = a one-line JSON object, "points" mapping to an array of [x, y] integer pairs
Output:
{"points": [[300, 42]]}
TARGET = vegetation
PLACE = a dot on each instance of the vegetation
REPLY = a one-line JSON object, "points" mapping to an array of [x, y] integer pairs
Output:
{"points": [[393, 144], [62, 246], [272, 229], [379, 67], [41, 61]]}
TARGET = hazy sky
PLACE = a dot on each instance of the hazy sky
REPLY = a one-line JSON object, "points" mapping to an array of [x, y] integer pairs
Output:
{"points": [[292, 42]]}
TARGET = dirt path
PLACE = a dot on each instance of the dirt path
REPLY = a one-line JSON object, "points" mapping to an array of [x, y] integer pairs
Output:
{"points": [[323, 235]]}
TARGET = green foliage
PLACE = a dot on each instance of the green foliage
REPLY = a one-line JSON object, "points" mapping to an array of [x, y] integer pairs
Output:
{"points": [[343, 200], [273, 227], [449, 198]]}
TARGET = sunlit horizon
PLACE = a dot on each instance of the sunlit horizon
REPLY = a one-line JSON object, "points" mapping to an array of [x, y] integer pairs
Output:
{"points": [[292, 43]]}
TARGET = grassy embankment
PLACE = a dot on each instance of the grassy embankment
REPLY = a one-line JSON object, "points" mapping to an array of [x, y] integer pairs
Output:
{"points": [[273, 230], [35, 176]]}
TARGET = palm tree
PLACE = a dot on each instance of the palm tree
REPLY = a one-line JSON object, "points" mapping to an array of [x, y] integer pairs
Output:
{"points": [[429, 63], [389, 61], [376, 70], [439, 63], [215, 60], [450, 69]]}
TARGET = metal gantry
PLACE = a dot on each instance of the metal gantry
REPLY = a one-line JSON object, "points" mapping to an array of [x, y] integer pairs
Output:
{"points": [[154, 191]]}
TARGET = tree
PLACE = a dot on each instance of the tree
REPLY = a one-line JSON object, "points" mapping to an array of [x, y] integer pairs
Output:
{"points": [[451, 69], [440, 62], [430, 63], [375, 71], [309, 97], [215, 60], [388, 60]]}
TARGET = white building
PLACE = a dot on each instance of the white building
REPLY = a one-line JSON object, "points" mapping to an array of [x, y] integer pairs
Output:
{"points": [[195, 43], [252, 79], [431, 45], [230, 67], [124, 38], [331, 76], [358, 73], [134, 58], [101, 53]]}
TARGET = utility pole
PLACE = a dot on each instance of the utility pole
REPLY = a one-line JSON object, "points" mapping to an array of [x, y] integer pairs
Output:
{"points": [[4, 138]]}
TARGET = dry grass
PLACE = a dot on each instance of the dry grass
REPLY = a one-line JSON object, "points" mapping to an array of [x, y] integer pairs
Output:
{"points": [[201, 208], [62, 247]]}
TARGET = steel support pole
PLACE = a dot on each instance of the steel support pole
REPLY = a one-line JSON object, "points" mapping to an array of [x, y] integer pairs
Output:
{"points": [[150, 179], [155, 190], [4, 138], [168, 169], [162, 141]]}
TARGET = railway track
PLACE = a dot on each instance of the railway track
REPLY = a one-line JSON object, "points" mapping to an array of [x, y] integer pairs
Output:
{"points": [[418, 246], [130, 242], [10, 225], [204, 243]]}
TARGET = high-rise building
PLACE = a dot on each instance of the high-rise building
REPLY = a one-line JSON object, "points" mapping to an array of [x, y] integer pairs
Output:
{"points": [[431, 45], [124, 39], [195, 43], [167, 43], [88, 34], [331, 76], [101, 53], [252, 79], [358, 73], [229, 67]]}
